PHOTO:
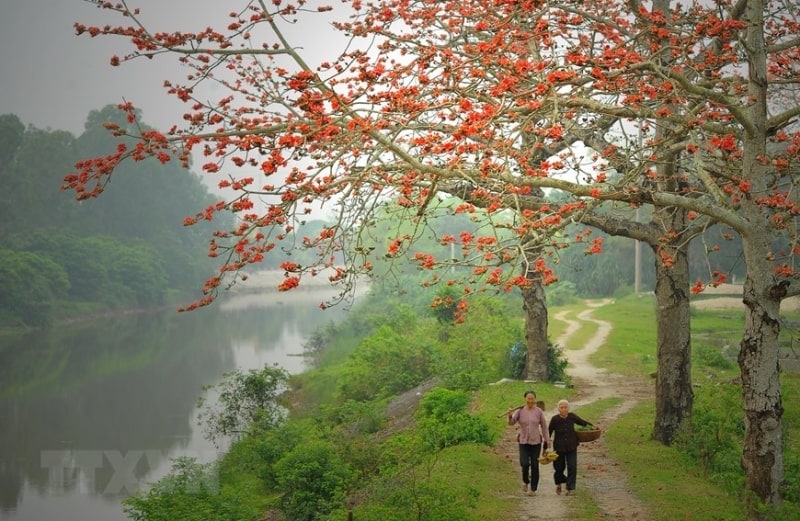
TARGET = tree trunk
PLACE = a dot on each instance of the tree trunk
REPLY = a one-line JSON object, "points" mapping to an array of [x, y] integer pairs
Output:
{"points": [[673, 392], [534, 303], [674, 395], [762, 454]]}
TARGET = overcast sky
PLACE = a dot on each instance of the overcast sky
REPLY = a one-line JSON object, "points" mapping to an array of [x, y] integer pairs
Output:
{"points": [[52, 78]]}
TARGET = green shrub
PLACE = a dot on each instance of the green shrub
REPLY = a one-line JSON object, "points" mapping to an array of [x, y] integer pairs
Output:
{"points": [[386, 363], [270, 447], [474, 352], [192, 492], [444, 421], [556, 362], [313, 479], [246, 401], [714, 436]]}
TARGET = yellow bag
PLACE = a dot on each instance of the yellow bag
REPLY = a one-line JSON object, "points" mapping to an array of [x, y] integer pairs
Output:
{"points": [[548, 457]]}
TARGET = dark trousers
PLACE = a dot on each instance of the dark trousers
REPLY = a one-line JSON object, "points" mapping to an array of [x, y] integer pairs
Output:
{"points": [[568, 461], [528, 460]]}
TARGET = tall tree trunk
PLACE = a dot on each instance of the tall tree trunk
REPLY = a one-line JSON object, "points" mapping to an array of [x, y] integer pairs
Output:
{"points": [[673, 391], [762, 454], [674, 395], [534, 303]]}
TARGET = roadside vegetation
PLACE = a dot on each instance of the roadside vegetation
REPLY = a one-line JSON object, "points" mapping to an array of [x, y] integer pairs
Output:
{"points": [[340, 454]]}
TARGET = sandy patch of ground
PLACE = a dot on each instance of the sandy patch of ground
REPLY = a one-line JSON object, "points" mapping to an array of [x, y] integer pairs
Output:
{"points": [[729, 296]]}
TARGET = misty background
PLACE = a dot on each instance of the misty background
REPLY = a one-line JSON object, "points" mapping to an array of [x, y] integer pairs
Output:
{"points": [[52, 78]]}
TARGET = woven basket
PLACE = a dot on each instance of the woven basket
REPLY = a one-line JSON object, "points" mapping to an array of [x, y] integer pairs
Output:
{"points": [[584, 436]]}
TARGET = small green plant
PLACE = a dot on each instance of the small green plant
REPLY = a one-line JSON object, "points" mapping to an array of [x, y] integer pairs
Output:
{"points": [[556, 363], [713, 357], [516, 360]]}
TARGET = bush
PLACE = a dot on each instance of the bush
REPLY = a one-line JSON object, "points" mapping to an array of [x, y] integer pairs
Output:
{"points": [[474, 352], [313, 479], [556, 362], [246, 401], [444, 421], [269, 447], [387, 363], [192, 492]]}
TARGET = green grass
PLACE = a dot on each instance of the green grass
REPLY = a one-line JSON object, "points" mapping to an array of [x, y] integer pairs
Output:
{"points": [[479, 480], [672, 487], [557, 327], [578, 339], [662, 477], [631, 347]]}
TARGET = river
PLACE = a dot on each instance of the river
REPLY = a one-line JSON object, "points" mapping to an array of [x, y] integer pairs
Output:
{"points": [[92, 412]]}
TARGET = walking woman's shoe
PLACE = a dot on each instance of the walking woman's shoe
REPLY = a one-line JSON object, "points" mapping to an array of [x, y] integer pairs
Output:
{"points": [[558, 489], [524, 487]]}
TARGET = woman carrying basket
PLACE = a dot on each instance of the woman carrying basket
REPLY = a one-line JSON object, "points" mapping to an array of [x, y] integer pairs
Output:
{"points": [[532, 432], [565, 443]]}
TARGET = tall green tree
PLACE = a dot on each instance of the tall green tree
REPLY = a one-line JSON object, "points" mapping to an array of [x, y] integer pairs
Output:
{"points": [[29, 284]]}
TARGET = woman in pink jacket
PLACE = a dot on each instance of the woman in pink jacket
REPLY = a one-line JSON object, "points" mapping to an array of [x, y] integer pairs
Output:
{"points": [[532, 435]]}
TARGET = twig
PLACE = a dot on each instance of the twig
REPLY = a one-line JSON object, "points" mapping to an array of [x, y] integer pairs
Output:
{"points": [[510, 411]]}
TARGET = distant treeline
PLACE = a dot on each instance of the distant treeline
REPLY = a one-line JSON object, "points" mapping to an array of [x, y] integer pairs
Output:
{"points": [[129, 248], [125, 249]]}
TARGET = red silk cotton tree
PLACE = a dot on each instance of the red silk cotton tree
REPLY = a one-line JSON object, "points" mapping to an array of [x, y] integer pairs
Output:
{"points": [[354, 132], [366, 129], [679, 106]]}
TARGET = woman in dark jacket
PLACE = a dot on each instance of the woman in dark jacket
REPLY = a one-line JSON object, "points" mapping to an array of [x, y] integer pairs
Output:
{"points": [[565, 443]]}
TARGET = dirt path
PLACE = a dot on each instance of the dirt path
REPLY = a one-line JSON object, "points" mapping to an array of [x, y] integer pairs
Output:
{"points": [[599, 477]]}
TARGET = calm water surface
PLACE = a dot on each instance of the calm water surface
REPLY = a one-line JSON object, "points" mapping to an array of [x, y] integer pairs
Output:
{"points": [[90, 413]]}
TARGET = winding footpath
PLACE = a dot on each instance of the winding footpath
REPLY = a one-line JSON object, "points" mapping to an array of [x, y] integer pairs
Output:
{"points": [[599, 477]]}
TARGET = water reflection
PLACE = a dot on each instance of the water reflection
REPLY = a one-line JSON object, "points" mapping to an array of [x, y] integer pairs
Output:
{"points": [[92, 411]]}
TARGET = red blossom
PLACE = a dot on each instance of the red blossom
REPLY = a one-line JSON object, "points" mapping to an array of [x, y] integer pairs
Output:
{"points": [[289, 283]]}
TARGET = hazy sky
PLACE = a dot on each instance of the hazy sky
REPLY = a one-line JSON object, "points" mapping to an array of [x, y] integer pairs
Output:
{"points": [[52, 78]]}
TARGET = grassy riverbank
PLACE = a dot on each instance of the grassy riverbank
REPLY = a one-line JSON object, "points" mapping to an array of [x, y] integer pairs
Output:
{"points": [[380, 466], [701, 484]]}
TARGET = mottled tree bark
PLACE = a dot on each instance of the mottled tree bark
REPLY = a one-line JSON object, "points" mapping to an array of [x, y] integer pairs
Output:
{"points": [[534, 303], [762, 455], [673, 392]]}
